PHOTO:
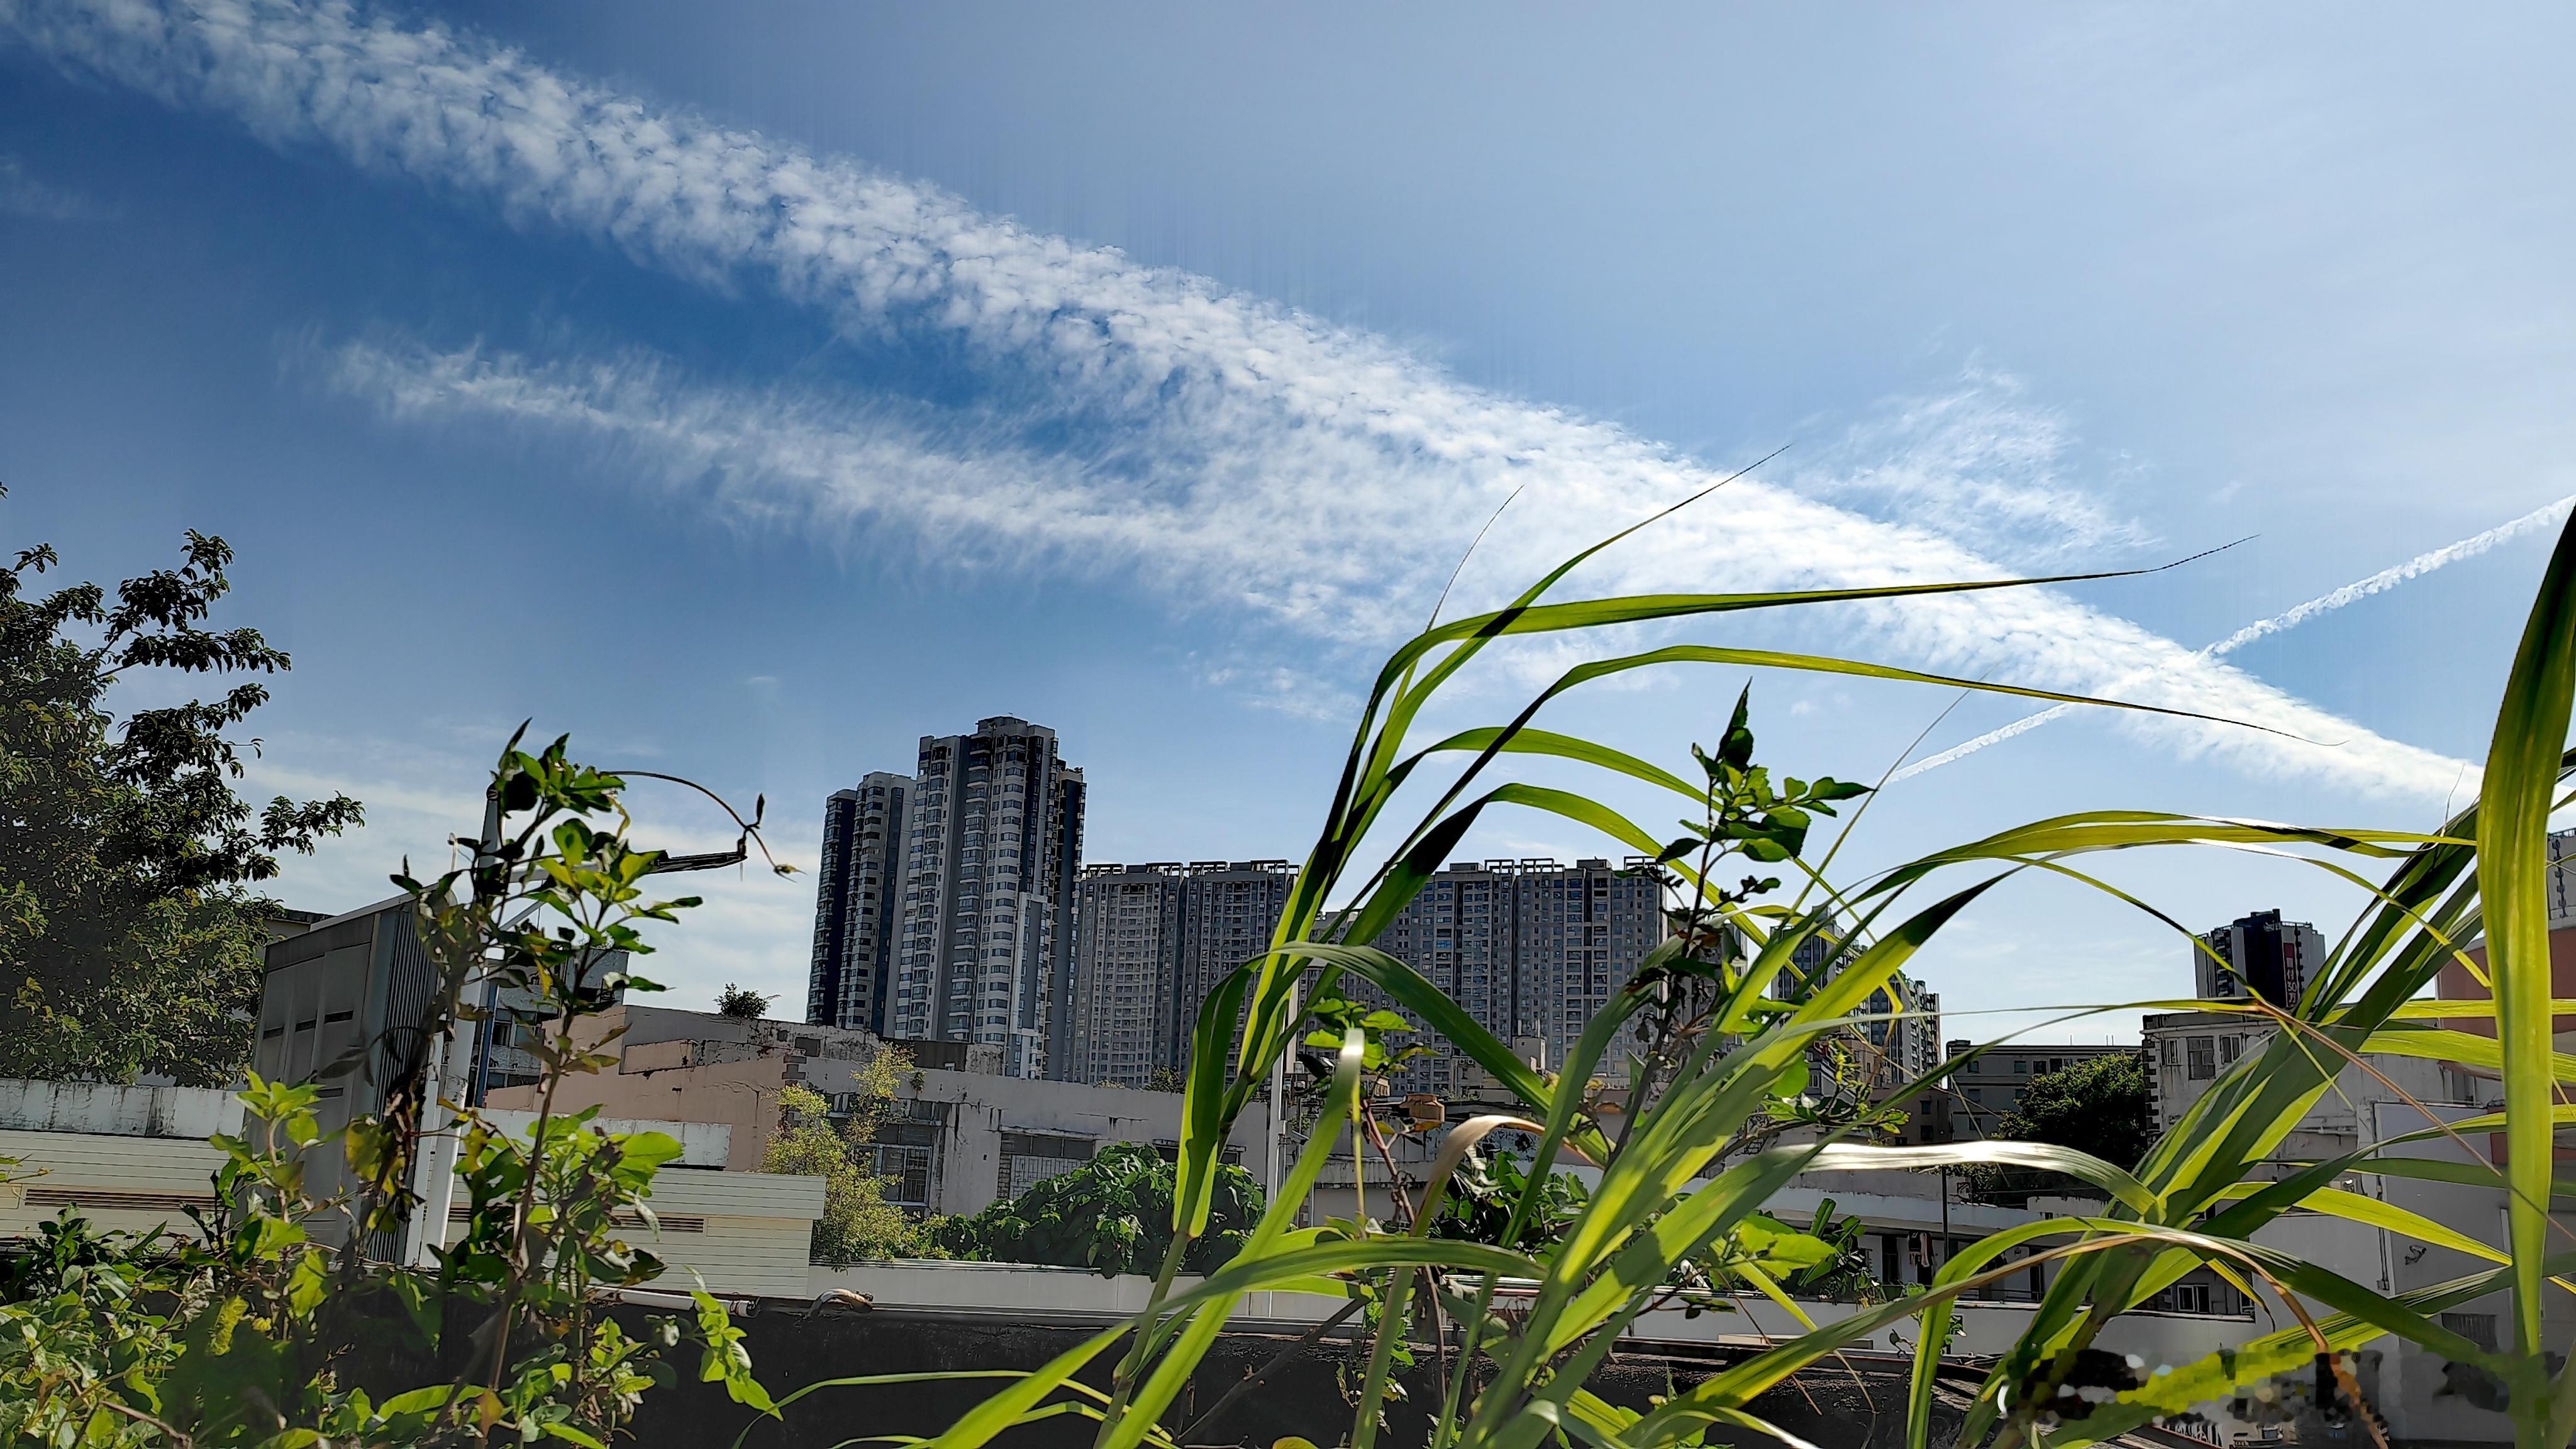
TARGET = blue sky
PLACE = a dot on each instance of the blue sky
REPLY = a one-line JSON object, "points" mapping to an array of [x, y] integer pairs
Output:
{"points": [[749, 390]]}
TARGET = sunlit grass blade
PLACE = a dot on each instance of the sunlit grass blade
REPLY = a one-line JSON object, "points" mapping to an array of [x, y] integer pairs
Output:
{"points": [[2513, 861]]}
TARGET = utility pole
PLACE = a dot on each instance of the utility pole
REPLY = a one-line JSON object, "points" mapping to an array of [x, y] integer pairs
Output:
{"points": [[452, 1068], [1274, 1141], [451, 1065]]}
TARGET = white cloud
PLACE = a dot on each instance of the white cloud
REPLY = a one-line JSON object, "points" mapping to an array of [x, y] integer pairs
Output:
{"points": [[1233, 449], [1983, 465], [22, 195]]}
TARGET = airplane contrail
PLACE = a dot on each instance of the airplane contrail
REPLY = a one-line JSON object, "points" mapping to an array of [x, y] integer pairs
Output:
{"points": [[2381, 582]]}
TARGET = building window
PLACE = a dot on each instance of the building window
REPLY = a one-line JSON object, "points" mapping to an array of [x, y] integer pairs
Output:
{"points": [[2200, 1052], [2477, 1328], [1029, 1158]]}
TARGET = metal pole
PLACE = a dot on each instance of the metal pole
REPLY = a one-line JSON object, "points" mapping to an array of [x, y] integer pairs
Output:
{"points": [[452, 1065], [1274, 1142]]}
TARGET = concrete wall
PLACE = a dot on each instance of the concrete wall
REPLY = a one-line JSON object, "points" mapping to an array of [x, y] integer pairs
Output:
{"points": [[1853, 1401], [198, 1112], [683, 1067], [128, 1182], [1074, 1296], [744, 1233], [702, 1144], [981, 1109]]}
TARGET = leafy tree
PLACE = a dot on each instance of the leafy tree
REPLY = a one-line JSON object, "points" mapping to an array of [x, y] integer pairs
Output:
{"points": [[741, 1003], [274, 1327], [857, 1223], [130, 940], [2104, 1107], [1113, 1214]]}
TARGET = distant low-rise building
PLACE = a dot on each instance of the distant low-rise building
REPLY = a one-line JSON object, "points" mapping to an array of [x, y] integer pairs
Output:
{"points": [[1985, 1087], [959, 1133], [136, 1159]]}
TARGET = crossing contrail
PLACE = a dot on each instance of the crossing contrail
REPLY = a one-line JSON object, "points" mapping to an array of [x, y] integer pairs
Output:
{"points": [[2546, 516]]}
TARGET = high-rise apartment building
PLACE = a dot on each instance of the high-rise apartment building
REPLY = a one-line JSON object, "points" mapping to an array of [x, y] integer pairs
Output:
{"points": [[2561, 879], [992, 849], [1228, 911], [2260, 954], [1127, 930], [1904, 1034], [1529, 948], [1150, 942], [856, 920]]}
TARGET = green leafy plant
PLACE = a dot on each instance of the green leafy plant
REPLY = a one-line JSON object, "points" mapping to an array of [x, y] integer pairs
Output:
{"points": [[741, 1003], [1844, 1271], [286, 1322], [85, 1338], [1113, 1215], [857, 1223], [1485, 1202], [2104, 1107]]}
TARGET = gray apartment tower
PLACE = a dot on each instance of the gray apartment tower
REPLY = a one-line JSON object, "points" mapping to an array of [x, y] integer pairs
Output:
{"points": [[1530, 948], [993, 842], [1905, 1042], [1150, 942], [2261, 954], [856, 920]]}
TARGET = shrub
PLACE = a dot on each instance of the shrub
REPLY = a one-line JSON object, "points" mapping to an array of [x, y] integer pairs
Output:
{"points": [[1113, 1215], [857, 1223]]}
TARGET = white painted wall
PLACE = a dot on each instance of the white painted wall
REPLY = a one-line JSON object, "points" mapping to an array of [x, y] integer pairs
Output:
{"points": [[114, 1111], [1073, 1295], [745, 1233], [702, 1144]]}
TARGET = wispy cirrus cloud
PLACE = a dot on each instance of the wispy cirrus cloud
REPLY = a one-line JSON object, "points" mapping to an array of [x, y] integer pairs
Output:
{"points": [[1218, 446], [1985, 463], [24, 195]]}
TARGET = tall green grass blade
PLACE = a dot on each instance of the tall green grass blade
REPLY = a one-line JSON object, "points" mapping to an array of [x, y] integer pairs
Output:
{"points": [[2513, 861]]}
